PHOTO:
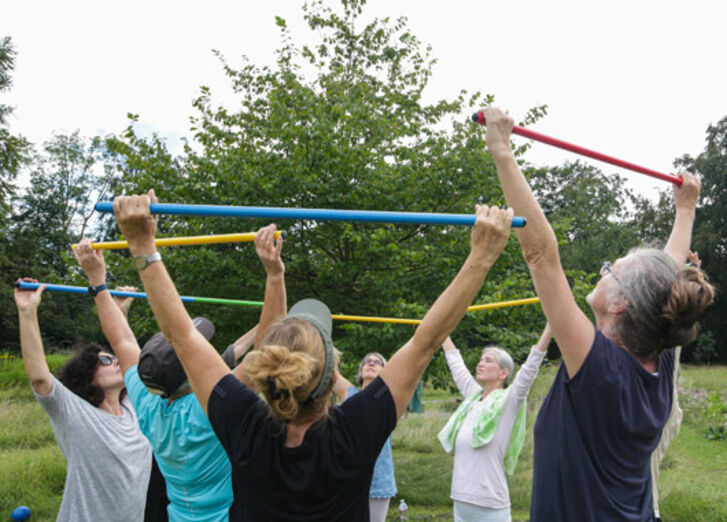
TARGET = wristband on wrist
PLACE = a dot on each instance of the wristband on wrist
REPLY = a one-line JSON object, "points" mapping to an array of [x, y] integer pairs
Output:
{"points": [[94, 290], [142, 261]]}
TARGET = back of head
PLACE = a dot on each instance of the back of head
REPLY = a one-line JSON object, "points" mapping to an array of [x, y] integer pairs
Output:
{"points": [[287, 367], [664, 303], [160, 369], [690, 296], [77, 374]]}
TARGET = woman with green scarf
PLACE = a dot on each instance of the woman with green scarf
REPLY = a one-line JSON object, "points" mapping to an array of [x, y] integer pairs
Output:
{"points": [[488, 429]]}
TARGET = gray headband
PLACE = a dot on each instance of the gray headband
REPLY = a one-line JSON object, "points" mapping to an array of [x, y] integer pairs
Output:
{"points": [[318, 314]]}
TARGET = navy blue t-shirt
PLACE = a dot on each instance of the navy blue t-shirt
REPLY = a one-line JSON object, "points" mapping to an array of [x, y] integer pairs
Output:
{"points": [[326, 478], [594, 436]]}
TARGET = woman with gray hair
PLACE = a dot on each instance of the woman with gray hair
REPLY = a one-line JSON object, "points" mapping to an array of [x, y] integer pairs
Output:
{"points": [[612, 396], [488, 429], [383, 482]]}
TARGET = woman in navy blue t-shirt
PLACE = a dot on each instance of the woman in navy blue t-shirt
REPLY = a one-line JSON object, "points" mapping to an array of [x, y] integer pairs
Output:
{"points": [[612, 395]]}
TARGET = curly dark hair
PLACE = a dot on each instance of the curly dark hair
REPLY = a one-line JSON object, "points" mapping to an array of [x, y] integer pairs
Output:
{"points": [[77, 374]]}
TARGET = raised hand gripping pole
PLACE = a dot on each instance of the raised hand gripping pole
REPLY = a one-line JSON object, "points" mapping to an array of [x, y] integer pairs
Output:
{"points": [[479, 117]]}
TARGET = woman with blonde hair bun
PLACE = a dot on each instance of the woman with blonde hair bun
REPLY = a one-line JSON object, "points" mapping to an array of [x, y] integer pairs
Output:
{"points": [[293, 457]]}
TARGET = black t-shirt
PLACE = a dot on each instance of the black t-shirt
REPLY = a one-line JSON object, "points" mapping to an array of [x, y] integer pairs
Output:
{"points": [[594, 436], [326, 478]]}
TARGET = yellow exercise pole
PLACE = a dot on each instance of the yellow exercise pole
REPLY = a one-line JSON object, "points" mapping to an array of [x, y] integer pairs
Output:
{"points": [[186, 241], [395, 320], [504, 304]]}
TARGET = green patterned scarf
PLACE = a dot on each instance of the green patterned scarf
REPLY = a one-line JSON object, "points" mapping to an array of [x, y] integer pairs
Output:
{"points": [[486, 426]]}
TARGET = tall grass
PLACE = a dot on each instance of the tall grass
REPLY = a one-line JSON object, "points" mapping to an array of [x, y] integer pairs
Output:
{"points": [[692, 482], [692, 485]]}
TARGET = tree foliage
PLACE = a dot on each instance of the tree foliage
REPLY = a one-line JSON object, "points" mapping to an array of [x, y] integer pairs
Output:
{"points": [[13, 148], [710, 235], [341, 124], [54, 211]]}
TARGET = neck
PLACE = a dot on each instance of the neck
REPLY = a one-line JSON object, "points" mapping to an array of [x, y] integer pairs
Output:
{"points": [[295, 431], [608, 329], [111, 402], [607, 325], [366, 382], [488, 387]]}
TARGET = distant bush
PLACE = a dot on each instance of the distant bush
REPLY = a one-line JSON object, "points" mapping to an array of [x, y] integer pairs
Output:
{"points": [[12, 371]]}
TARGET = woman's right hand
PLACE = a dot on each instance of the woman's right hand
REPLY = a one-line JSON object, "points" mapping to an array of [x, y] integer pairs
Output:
{"points": [[687, 194], [499, 129], [491, 231], [448, 345], [268, 249], [28, 300], [91, 262]]}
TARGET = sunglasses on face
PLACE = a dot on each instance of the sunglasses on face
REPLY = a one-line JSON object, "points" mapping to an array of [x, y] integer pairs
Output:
{"points": [[106, 360], [373, 361]]}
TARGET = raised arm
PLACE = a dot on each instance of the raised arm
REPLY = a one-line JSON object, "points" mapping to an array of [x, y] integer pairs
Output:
{"points": [[544, 341], [489, 237], [466, 384], [201, 362], [341, 386], [275, 306], [31, 344], [111, 315], [571, 328], [686, 197], [240, 347], [237, 349]]}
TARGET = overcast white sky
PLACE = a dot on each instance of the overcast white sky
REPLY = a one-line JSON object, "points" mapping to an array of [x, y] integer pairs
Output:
{"points": [[639, 80]]}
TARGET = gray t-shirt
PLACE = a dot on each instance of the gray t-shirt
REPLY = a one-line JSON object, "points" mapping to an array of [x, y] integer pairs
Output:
{"points": [[108, 459]]}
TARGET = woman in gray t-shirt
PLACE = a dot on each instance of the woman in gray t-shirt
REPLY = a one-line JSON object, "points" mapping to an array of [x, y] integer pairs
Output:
{"points": [[108, 459]]}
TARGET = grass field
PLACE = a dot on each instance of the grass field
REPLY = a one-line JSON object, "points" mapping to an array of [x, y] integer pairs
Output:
{"points": [[693, 480]]}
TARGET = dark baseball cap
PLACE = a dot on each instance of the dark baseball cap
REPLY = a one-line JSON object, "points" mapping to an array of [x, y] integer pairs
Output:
{"points": [[159, 367], [318, 314]]}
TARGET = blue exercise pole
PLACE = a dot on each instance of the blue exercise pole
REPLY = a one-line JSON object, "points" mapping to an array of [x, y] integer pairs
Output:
{"points": [[25, 285], [420, 218]]}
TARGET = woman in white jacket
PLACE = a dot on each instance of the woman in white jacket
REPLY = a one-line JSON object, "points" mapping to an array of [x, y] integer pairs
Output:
{"points": [[488, 429]]}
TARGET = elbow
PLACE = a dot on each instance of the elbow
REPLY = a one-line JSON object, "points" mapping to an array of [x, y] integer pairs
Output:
{"points": [[542, 251]]}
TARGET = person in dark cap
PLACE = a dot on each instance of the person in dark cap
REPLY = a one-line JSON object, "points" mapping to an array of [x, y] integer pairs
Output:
{"points": [[189, 455], [294, 457]]}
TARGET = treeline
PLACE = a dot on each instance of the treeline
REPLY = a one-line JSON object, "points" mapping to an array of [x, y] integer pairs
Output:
{"points": [[352, 132]]}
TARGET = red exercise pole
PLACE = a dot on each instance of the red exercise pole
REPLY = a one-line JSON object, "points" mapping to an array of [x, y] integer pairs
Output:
{"points": [[479, 117]]}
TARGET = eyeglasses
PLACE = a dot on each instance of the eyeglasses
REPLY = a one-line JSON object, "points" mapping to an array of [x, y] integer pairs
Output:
{"points": [[375, 361], [606, 269], [106, 360]]}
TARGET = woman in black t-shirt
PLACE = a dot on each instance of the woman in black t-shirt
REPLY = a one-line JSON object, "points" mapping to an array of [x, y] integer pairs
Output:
{"points": [[604, 414], [293, 458]]}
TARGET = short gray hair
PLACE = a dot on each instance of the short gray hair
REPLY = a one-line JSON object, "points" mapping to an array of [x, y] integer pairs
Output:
{"points": [[504, 360], [359, 380]]}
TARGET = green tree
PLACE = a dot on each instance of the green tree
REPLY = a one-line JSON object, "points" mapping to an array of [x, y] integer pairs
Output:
{"points": [[340, 124], [14, 151], [597, 212], [54, 211], [13, 148], [710, 233]]}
